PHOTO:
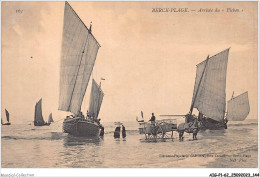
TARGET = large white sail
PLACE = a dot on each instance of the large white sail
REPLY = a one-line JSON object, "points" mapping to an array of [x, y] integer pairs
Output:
{"points": [[96, 98], [211, 90], [79, 51], [38, 113], [238, 107]]}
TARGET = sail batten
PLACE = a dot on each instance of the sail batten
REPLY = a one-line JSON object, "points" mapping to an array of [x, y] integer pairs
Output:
{"points": [[238, 107], [96, 98], [211, 90], [79, 51]]}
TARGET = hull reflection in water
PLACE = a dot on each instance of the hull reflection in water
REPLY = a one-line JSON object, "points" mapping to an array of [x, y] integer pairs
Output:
{"points": [[71, 140]]}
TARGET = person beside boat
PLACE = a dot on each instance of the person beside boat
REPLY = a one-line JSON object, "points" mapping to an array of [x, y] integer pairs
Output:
{"points": [[94, 119], [195, 129], [97, 120], [88, 114], [117, 132], [81, 115], [123, 131], [102, 132], [225, 122]]}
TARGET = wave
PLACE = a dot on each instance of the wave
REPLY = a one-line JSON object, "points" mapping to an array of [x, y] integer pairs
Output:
{"points": [[45, 136], [242, 124]]}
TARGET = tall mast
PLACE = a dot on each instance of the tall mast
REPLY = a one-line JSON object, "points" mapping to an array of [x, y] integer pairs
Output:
{"points": [[192, 105]]}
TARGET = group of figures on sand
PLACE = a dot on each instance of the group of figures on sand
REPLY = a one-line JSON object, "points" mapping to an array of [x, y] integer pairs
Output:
{"points": [[117, 132]]}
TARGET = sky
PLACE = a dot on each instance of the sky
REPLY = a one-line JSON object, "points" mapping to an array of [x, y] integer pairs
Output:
{"points": [[148, 59]]}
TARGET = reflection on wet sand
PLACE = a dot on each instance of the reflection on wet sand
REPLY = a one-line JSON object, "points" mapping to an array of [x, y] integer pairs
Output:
{"points": [[70, 140]]}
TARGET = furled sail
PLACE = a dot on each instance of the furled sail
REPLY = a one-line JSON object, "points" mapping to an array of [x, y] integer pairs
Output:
{"points": [[96, 98], [50, 119], [7, 115], [238, 107], [78, 55], [211, 91], [38, 113]]}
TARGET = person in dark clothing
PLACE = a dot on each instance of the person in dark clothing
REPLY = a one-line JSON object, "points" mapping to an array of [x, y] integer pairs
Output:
{"points": [[195, 130], [117, 132], [102, 131], [225, 122], [152, 118], [200, 117], [123, 131]]}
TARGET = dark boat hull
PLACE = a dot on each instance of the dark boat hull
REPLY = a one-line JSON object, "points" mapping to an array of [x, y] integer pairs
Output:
{"points": [[116, 134], [210, 124], [79, 127], [40, 124], [7, 123]]}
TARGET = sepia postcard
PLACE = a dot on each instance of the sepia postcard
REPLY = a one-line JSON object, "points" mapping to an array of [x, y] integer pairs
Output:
{"points": [[129, 84]]}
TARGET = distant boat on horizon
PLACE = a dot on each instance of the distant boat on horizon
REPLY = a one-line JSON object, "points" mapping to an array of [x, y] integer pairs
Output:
{"points": [[238, 107], [7, 118], [50, 119], [38, 118]]}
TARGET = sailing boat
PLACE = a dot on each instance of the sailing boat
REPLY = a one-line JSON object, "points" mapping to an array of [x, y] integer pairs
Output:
{"points": [[238, 107], [38, 119], [50, 119], [209, 94], [7, 118], [79, 51]]}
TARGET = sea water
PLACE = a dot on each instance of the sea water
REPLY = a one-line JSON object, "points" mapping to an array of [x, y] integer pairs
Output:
{"points": [[27, 146]]}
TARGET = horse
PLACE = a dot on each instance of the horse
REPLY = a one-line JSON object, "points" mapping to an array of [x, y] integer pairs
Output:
{"points": [[191, 127]]}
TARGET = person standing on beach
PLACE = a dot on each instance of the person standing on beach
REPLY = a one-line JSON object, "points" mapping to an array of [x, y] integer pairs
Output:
{"points": [[123, 131]]}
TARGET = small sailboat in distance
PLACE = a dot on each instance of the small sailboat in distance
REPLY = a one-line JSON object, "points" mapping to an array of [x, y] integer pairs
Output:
{"points": [[50, 119], [38, 118], [7, 118], [238, 107]]}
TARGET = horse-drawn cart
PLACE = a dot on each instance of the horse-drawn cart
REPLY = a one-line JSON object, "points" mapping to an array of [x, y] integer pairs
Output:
{"points": [[159, 129]]}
